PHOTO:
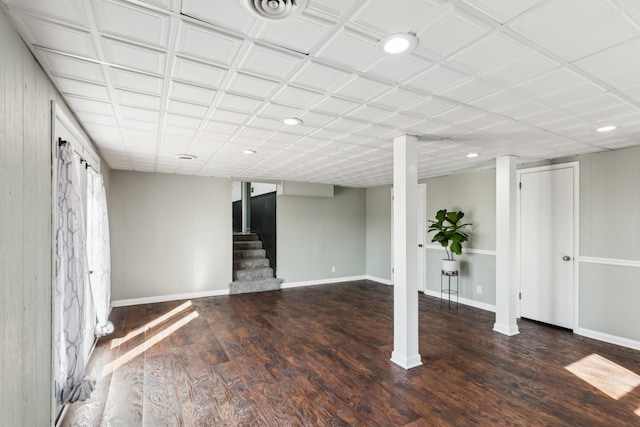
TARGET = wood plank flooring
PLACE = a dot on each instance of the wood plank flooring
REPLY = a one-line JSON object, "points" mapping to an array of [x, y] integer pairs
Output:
{"points": [[319, 356]]}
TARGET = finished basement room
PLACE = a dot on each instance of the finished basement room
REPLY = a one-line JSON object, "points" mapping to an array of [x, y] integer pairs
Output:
{"points": [[319, 213]]}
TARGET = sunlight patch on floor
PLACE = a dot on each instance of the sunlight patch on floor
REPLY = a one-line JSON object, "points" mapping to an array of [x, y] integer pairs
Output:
{"points": [[608, 377], [119, 341], [136, 351]]}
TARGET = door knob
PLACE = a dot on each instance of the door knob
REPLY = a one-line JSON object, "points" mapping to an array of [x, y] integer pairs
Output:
{"points": [[420, 245], [566, 258]]}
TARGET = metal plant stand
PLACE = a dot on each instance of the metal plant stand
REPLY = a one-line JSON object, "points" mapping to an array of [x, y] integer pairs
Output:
{"points": [[448, 290]]}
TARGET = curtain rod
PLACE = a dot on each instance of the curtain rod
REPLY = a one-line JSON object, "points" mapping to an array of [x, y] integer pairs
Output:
{"points": [[62, 142]]}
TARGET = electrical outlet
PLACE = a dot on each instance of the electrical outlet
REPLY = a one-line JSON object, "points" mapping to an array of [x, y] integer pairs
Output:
{"points": [[333, 269], [479, 289]]}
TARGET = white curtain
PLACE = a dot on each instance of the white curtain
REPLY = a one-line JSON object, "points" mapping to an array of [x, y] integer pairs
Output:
{"points": [[99, 254], [72, 279]]}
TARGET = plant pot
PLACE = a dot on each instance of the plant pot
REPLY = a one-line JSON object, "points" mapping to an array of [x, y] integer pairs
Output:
{"points": [[450, 266]]}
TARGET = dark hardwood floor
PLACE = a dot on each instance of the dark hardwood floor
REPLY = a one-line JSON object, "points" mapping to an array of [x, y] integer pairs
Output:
{"points": [[319, 356]]}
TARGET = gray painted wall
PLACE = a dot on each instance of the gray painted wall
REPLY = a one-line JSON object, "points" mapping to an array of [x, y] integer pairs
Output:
{"points": [[475, 270], [474, 194], [317, 233], [610, 228], [610, 204], [170, 234], [609, 298], [608, 183], [378, 232]]}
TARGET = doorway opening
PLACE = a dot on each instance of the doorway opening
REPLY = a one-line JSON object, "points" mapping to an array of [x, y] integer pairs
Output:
{"points": [[262, 215]]}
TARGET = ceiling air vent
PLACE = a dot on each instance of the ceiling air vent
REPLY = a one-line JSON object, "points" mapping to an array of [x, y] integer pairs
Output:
{"points": [[275, 9]]}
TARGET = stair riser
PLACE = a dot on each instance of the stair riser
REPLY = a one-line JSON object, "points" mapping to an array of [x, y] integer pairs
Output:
{"points": [[250, 263], [249, 253], [242, 287], [253, 274], [253, 244], [245, 237]]}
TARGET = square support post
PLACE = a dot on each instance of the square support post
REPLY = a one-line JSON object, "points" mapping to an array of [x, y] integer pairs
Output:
{"points": [[405, 252], [506, 261]]}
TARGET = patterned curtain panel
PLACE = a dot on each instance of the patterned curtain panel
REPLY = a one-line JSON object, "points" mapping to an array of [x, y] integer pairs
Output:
{"points": [[100, 256], [71, 282]]}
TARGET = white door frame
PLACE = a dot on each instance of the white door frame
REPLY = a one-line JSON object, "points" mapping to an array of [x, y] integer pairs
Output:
{"points": [[575, 166], [422, 230], [422, 250]]}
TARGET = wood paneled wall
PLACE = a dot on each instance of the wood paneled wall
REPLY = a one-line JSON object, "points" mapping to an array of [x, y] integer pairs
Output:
{"points": [[263, 218], [25, 234]]}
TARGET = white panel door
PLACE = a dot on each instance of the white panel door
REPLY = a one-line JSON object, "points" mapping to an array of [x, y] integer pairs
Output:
{"points": [[422, 233], [546, 246], [422, 260]]}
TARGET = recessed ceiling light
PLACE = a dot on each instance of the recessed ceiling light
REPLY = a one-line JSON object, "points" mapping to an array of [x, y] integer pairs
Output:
{"points": [[292, 121], [396, 44], [472, 155], [608, 128], [186, 156], [248, 151]]}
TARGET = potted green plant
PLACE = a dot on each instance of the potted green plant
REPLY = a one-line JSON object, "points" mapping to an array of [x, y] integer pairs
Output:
{"points": [[450, 233]]}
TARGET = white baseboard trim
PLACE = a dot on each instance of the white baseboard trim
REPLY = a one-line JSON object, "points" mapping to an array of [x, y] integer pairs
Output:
{"points": [[287, 285], [506, 329], [612, 339], [465, 301], [177, 297], [379, 280], [406, 362], [165, 298]]}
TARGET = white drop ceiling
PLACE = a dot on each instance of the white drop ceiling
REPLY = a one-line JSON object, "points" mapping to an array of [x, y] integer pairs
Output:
{"points": [[152, 79]]}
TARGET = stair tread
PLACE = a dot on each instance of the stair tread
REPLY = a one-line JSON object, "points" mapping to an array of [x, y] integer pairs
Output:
{"points": [[253, 273], [249, 254], [247, 237], [258, 285], [252, 270], [249, 263], [260, 280], [246, 260]]}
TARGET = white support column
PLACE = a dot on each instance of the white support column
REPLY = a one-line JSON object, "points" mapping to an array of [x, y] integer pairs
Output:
{"points": [[405, 252], [506, 261]]}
